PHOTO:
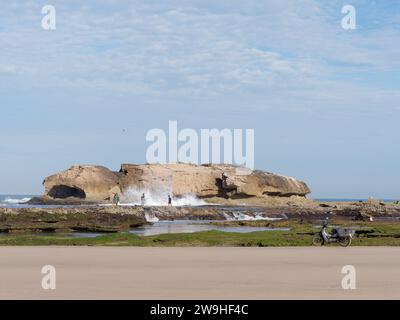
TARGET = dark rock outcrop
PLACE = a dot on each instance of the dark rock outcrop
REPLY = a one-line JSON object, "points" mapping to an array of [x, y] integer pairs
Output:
{"points": [[84, 219]]}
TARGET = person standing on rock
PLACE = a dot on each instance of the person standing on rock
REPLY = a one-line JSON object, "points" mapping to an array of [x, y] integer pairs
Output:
{"points": [[169, 201], [116, 199], [143, 200], [224, 179]]}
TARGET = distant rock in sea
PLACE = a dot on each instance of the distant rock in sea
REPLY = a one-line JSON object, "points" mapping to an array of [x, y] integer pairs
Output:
{"points": [[89, 183]]}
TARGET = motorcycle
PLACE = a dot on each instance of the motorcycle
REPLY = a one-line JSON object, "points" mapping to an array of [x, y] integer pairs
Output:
{"points": [[338, 235]]}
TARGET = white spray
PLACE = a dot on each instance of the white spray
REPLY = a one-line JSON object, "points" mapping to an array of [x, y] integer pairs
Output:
{"points": [[158, 197], [238, 216]]}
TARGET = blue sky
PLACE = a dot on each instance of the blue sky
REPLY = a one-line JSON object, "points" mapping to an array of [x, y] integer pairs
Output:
{"points": [[324, 101]]}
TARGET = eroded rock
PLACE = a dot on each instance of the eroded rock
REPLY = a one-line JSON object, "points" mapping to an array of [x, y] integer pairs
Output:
{"points": [[88, 183], [96, 183]]}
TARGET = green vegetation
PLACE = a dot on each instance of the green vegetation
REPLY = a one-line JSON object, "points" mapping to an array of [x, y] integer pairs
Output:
{"points": [[382, 233]]}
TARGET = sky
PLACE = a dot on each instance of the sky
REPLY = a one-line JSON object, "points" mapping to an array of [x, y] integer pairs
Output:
{"points": [[323, 100]]}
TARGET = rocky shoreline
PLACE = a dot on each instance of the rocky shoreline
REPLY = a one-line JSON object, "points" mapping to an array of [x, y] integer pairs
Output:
{"points": [[80, 198], [96, 218], [89, 219]]}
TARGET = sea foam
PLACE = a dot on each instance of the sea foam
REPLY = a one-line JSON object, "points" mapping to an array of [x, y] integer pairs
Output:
{"points": [[15, 200], [158, 197]]}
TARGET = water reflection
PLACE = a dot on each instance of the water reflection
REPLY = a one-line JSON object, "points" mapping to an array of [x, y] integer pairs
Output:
{"points": [[190, 226], [160, 227]]}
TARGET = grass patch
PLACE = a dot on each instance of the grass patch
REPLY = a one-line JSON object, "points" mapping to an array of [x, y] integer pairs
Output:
{"points": [[382, 233]]}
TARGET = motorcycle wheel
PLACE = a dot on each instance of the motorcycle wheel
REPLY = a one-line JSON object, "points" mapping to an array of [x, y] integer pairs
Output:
{"points": [[345, 242], [318, 240]]}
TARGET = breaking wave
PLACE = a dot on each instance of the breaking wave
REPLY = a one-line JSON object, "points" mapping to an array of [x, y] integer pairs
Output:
{"points": [[151, 217], [158, 197], [236, 216], [15, 200]]}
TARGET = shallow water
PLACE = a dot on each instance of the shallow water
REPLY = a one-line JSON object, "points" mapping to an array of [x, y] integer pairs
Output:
{"points": [[161, 227], [190, 226]]}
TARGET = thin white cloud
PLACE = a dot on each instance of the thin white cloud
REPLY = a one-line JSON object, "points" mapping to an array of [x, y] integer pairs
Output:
{"points": [[195, 47]]}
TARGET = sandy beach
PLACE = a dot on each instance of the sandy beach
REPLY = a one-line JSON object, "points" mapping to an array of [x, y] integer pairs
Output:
{"points": [[199, 273]]}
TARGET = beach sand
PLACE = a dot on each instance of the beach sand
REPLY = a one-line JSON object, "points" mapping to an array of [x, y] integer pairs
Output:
{"points": [[199, 273]]}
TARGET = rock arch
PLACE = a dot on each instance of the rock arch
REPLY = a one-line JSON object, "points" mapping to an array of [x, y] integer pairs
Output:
{"points": [[63, 192]]}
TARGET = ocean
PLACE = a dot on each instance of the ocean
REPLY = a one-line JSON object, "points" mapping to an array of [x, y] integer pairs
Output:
{"points": [[15, 201], [350, 200], [20, 200]]}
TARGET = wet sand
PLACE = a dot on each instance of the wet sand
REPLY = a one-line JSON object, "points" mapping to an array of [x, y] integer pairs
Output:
{"points": [[199, 273]]}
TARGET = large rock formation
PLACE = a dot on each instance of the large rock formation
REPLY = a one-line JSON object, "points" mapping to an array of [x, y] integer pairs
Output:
{"points": [[95, 183], [89, 183]]}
